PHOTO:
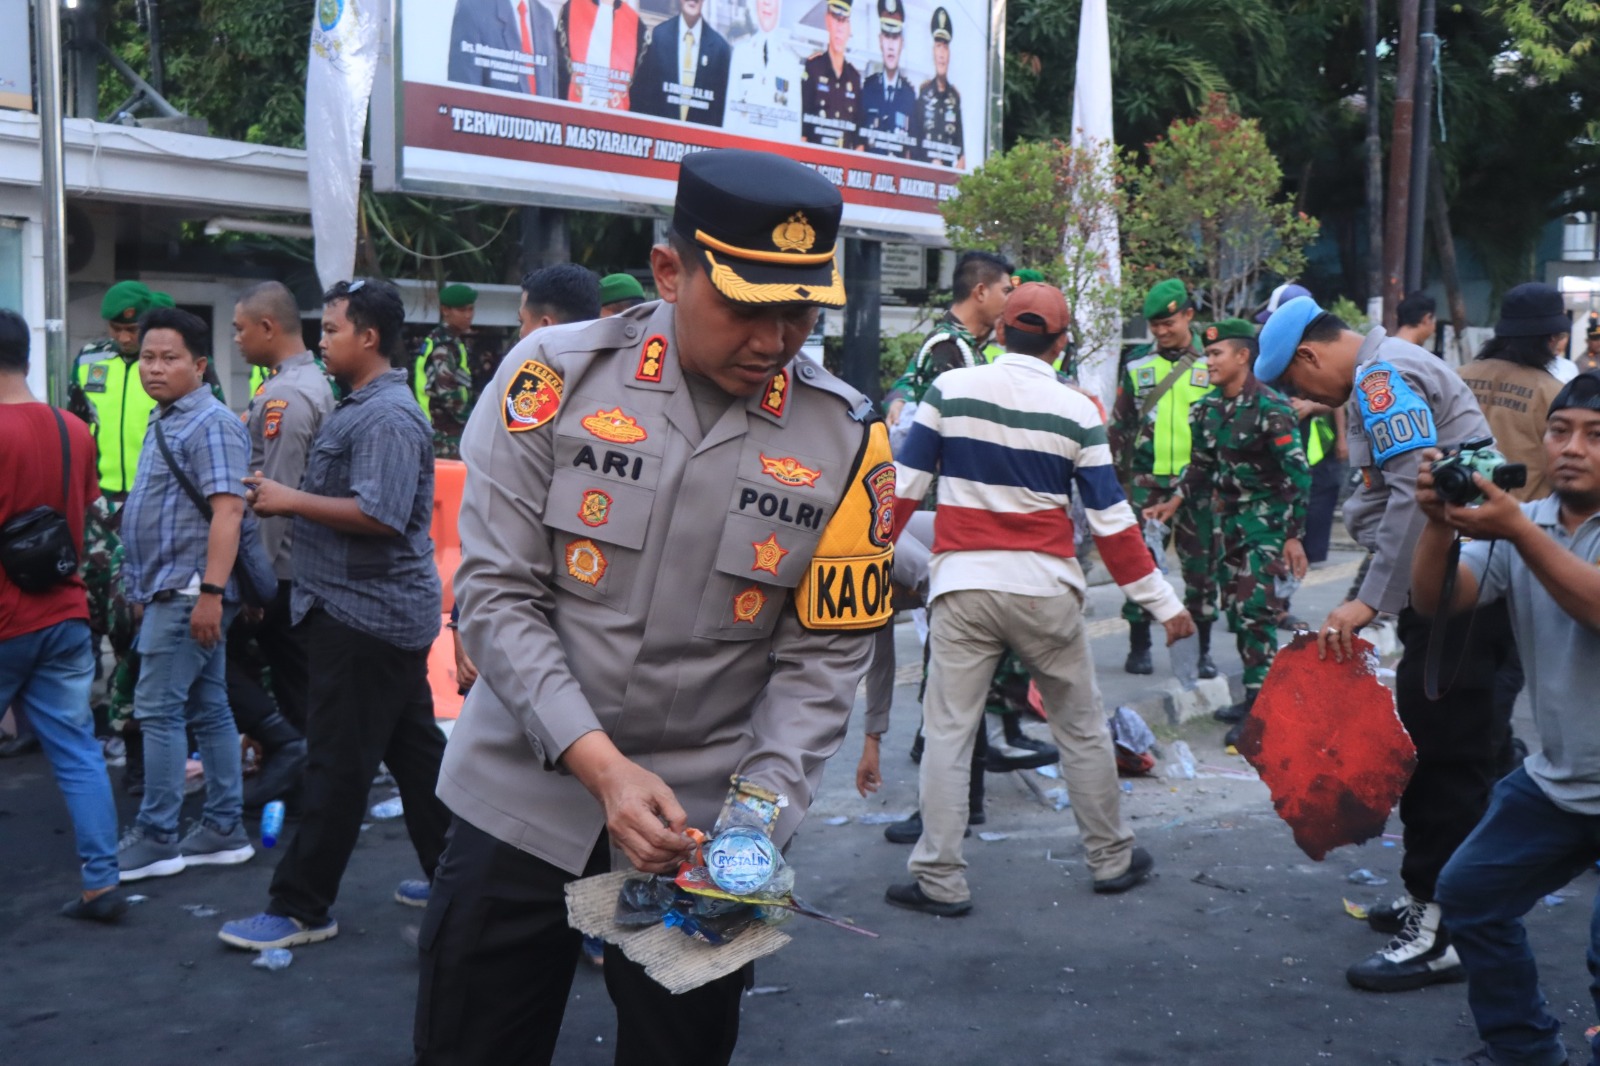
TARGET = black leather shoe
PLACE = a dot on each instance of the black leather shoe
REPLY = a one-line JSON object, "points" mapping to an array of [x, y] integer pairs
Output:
{"points": [[1138, 869], [910, 830], [1138, 661], [1207, 668], [916, 749], [912, 898], [1237, 712]]}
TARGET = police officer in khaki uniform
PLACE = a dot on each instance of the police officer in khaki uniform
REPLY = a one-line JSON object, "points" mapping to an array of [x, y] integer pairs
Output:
{"points": [[830, 96], [675, 554]]}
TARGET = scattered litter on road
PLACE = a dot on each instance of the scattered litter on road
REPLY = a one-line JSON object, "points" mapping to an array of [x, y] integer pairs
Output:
{"points": [[1392, 836], [1553, 900], [389, 808], [1206, 879], [768, 990], [273, 959], [1355, 910], [992, 837], [1053, 771], [846, 1021], [837, 819], [1388, 843], [1182, 765], [1057, 798], [1127, 786], [1290, 960], [138, 899], [877, 818], [1209, 772], [200, 910], [1365, 876]]}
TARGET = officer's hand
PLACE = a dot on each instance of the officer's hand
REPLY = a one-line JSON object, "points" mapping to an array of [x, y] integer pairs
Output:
{"points": [[1178, 626], [643, 817], [892, 416], [267, 497], [1163, 512], [1427, 499], [466, 673], [1497, 517], [1339, 629], [867, 777], [1294, 553], [205, 621]]}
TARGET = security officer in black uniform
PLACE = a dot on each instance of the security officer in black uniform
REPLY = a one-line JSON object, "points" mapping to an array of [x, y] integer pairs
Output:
{"points": [[887, 99], [937, 125], [830, 91]]}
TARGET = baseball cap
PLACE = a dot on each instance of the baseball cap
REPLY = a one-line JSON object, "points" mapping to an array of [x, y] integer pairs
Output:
{"points": [[1582, 391], [1280, 296], [1037, 308]]}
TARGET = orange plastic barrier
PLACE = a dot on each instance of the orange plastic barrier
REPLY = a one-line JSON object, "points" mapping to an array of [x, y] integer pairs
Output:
{"points": [[442, 675], [449, 479]]}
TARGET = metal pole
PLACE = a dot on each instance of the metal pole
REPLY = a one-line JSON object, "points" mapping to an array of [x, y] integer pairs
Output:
{"points": [[1399, 214], [1421, 145], [863, 340], [52, 185], [1374, 152]]}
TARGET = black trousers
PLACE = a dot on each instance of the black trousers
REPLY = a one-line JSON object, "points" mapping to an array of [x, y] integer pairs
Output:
{"points": [[1463, 739], [369, 703], [497, 961], [281, 647], [1326, 480]]}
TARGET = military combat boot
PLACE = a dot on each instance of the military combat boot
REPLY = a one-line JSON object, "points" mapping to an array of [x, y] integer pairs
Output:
{"points": [[1139, 649], [1206, 668]]}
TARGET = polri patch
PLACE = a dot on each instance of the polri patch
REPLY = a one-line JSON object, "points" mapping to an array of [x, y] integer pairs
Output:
{"points": [[272, 425], [532, 398], [769, 553], [879, 482], [788, 470], [651, 360], [776, 397], [747, 604], [614, 426], [586, 562], [1379, 393], [594, 509]]}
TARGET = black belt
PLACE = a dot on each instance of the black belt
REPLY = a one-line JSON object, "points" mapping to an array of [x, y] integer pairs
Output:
{"points": [[165, 596]]}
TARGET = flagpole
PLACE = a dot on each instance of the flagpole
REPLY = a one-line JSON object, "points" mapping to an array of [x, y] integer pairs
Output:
{"points": [[1092, 131]]}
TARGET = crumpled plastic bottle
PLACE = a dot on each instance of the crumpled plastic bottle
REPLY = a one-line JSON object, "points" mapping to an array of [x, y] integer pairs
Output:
{"points": [[389, 808], [273, 959], [1155, 538], [1181, 765]]}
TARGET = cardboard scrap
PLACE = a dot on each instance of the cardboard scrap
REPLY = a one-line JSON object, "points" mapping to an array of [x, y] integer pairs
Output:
{"points": [[676, 962]]}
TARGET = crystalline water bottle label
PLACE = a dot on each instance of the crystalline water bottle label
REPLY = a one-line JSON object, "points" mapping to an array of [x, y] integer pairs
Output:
{"points": [[740, 861]]}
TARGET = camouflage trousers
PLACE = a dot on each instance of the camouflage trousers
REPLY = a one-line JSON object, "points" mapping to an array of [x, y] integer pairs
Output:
{"points": [[110, 613], [446, 445], [1252, 557], [1192, 535]]}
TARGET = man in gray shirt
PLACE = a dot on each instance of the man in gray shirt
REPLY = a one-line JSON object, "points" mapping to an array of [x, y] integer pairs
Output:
{"points": [[1541, 830], [1400, 400]]}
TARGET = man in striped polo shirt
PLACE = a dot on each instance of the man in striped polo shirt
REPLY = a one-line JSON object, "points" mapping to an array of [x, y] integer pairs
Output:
{"points": [[1008, 442]]}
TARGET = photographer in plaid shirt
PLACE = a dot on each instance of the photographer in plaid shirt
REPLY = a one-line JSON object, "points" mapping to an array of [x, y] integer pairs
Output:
{"points": [[178, 571]]}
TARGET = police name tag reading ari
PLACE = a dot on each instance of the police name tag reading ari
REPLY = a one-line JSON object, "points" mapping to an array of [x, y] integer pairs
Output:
{"points": [[850, 593]]}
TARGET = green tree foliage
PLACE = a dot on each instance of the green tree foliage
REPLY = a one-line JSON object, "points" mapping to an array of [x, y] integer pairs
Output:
{"points": [[1554, 37], [1208, 207]]}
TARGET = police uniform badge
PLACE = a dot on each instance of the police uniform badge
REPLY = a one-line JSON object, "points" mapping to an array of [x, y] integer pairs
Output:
{"points": [[1145, 377], [586, 562], [747, 605], [776, 396], [651, 360], [1377, 390], [879, 482], [787, 470], [594, 509], [272, 424], [1394, 418], [1200, 377], [532, 398], [98, 372], [614, 426], [769, 553]]}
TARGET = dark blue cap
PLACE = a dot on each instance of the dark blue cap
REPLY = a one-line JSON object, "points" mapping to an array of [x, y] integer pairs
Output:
{"points": [[1281, 335]]}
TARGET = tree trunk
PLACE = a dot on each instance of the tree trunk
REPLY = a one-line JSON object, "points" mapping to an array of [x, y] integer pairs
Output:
{"points": [[1374, 153], [1400, 137], [1444, 246]]}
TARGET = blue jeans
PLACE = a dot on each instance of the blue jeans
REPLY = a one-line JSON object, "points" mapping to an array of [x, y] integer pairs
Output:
{"points": [[1525, 848], [48, 673], [181, 683]]}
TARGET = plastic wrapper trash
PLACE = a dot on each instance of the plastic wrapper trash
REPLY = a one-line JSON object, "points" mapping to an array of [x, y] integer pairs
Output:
{"points": [[273, 959], [1155, 538]]}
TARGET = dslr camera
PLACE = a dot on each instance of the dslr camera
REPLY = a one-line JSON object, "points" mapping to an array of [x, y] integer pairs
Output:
{"points": [[1452, 474]]}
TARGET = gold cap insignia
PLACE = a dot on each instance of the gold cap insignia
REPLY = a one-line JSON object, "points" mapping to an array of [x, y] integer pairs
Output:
{"points": [[1172, 307], [1211, 334], [795, 235]]}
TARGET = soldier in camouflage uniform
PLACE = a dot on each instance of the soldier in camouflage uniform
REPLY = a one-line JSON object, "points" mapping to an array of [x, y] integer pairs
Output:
{"points": [[1246, 457], [980, 284], [1149, 437], [442, 371]]}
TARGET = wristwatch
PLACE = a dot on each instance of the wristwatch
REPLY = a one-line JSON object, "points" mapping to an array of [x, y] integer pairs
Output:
{"points": [[211, 590]]}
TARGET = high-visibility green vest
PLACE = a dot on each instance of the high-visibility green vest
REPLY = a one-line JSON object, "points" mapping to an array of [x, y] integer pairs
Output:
{"points": [[418, 381], [121, 416], [1172, 440], [1319, 434]]}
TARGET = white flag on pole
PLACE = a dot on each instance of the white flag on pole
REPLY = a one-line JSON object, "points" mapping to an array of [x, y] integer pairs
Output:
{"points": [[344, 59], [1091, 130]]}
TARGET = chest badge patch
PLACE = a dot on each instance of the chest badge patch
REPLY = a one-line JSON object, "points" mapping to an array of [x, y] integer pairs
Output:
{"points": [[651, 359], [272, 424], [1378, 391], [586, 562], [747, 605], [615, 427], [879, 482], [594, 509], [777, 394], [532, 398], [1200, 378], [1146, 377], [769, 553], [788, 470]]}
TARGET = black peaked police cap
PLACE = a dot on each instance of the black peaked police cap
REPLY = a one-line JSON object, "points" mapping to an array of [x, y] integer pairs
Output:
{"points": [[764, 226]]}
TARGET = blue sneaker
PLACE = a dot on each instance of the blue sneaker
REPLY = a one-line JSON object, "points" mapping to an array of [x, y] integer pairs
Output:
{"points": [[274, 931], [413, 892]]}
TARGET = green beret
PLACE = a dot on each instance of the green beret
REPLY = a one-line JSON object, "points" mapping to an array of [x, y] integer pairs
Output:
{"points": [[458, 295], [1230, 329], [125, 301], [161, 299], [1028, 274], [614, 287], [1166, 298]]}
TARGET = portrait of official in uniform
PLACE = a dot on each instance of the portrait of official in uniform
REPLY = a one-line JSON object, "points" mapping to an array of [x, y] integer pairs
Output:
{"points": [[887, 99], [764, 80], [937, 121], [599, 42], [683, 73], [504, 44], [831, 97]]}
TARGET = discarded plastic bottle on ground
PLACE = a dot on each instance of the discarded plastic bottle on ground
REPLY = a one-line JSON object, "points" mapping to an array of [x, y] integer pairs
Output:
{"points": [[1182, 764], [741, 859], [389, 808], [273, 959], [271, 823]]}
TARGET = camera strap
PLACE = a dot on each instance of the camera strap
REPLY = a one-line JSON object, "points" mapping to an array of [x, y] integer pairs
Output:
{"points": [[1447, 595]]}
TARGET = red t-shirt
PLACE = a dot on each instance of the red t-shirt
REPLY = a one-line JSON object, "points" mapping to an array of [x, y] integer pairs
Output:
{"points": [[30, 476]]}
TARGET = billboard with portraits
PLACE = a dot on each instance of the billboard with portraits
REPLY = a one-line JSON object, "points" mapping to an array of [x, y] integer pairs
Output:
{"points": [[592, 103]]}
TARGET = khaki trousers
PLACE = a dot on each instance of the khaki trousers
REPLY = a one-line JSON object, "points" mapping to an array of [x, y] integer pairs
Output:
{"points": [[969, 631]]}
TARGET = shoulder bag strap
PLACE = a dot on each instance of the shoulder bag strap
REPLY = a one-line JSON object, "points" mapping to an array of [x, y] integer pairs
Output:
{"points": [[1148, 404], [66, 463], [177, 472]]}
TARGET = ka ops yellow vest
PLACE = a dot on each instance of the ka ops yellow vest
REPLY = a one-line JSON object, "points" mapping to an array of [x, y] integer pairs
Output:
{"points": [[121, 416], [418, 383], [1172, 440]]}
